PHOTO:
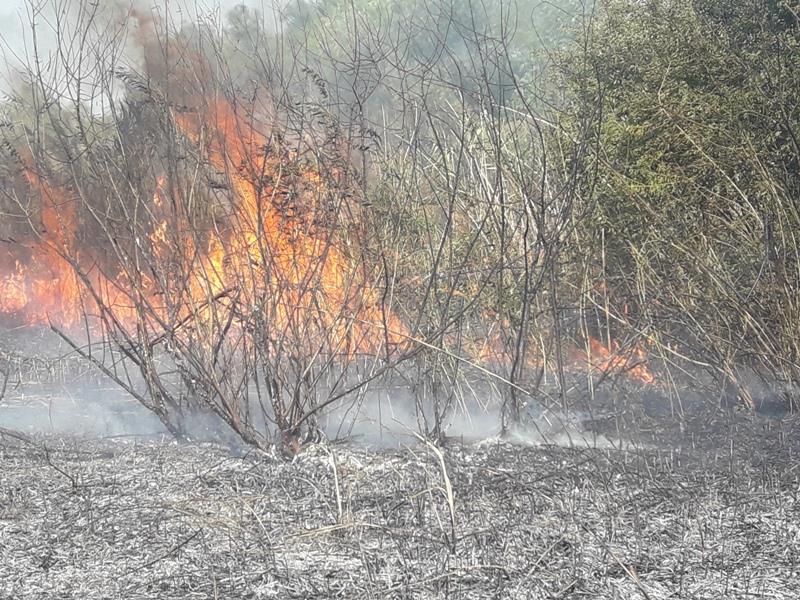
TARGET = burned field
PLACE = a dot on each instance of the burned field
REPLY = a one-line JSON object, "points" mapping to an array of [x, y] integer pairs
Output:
{"points": [[150, 518]]}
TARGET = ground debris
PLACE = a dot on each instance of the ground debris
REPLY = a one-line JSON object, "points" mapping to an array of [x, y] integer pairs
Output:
{"points": [[131, 519]]}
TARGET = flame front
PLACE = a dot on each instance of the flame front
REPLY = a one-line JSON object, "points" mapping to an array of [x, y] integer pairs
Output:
{"points": [[270, 261], [286, 266], [40, 284], [603, 359], [274, 253], [497, 347]]}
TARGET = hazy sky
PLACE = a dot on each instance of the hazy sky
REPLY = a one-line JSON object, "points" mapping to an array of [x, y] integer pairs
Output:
{"points": [[14, 30]]}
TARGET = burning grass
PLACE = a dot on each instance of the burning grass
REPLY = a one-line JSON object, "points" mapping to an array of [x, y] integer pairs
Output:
{"points": [[155, 519]]}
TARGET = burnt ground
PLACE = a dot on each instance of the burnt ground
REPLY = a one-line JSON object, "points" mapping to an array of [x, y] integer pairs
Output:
{"points": [[147, 518]]}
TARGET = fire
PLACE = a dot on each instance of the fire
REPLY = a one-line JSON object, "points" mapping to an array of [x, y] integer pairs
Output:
{"points": [[284, 248], [263, 251], [258, 253], [44, 285], [633, 364], [496, 347], [270, 252], [12, 290]]}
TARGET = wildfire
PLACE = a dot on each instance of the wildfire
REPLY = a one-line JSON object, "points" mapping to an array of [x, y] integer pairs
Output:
{"points": [[272, 252], [44, 285], [13, 290], [261, 254], [633, 364], [300, 263], [496, 347]]}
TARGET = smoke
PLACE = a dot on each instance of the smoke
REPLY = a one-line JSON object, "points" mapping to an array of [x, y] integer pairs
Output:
{"points": [[18, 18], [58, 393], [95, 408], [79, 408], [392, 417]]}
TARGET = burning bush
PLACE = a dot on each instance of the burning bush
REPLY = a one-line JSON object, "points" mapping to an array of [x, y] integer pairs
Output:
{"points": [[264, 238], [223, 256]]}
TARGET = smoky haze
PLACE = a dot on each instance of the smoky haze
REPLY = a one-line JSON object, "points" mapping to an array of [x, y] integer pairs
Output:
{"points": [[16, 16]]}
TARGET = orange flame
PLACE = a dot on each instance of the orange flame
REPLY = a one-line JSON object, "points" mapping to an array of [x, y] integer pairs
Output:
{"points": [[262, 252], [45, 285], [633, 364], [306, 270], [494, 346]]}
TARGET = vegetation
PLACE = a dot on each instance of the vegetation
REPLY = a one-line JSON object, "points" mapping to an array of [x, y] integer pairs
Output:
{"points": [[697, 177], [264, 221]]}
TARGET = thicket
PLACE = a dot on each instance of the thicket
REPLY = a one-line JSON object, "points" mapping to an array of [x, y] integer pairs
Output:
{"points": [[493, 187], [697, 180]]}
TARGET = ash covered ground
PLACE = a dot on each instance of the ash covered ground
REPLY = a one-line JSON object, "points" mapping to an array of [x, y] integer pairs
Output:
{"points": [[714, 516]]}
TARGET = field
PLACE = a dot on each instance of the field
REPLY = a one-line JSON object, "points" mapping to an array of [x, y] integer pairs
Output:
{"points": [[138, 517]]}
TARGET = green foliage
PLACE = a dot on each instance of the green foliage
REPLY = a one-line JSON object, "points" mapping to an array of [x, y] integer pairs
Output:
{"points": [[698, 163]]}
